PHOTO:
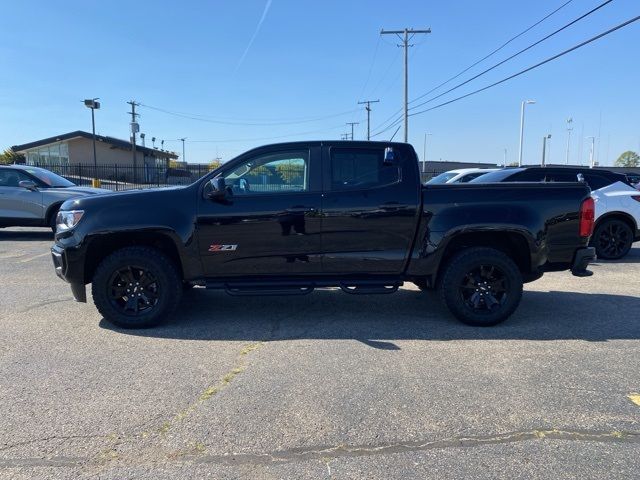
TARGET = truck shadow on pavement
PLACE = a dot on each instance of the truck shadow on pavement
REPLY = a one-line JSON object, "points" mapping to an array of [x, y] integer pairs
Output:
{"points": [[26, 235], [379, 320]]}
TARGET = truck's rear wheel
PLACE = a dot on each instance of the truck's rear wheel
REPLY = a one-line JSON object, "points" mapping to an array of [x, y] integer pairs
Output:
{"points": [[481, 286], [136, 287]]}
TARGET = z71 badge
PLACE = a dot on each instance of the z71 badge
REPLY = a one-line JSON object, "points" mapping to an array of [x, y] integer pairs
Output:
{"points": [[223, 248]]}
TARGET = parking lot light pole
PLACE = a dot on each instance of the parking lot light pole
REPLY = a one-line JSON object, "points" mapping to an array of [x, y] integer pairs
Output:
{"points": [[524, 102], [591, 163], [93, 104], [544, 149], [183, 158]]}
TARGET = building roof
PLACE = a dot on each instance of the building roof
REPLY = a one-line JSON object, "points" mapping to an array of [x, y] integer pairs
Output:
{"points": [[115, 142]]}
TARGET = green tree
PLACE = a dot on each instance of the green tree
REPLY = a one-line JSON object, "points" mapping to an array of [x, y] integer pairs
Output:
{"points": [[9, 156], [628, 159], [291, 172], [213, 164]]}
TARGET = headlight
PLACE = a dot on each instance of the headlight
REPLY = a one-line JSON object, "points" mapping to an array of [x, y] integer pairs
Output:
{"points": [[68, 219]]}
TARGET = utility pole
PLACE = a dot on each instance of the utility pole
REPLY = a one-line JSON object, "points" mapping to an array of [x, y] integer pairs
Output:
{"points": [[135, 128], [344, 136], [183, 157], [368, 109], [424, 153], [352, 124], [405, 43], [569, 128]]}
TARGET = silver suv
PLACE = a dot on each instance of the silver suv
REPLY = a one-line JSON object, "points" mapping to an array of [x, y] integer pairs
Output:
{"points": [[31, 196]]}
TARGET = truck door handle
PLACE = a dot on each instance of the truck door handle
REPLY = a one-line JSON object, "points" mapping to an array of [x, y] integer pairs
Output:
{"points": [[300, 209], [392, 206]]}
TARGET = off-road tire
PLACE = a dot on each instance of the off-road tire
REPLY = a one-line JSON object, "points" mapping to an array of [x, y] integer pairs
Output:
{"points": [[458, 273], [167, 282]]}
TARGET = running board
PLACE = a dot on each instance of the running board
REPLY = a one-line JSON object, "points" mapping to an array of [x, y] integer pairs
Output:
{"points": [[293, 287], [369, 287]]}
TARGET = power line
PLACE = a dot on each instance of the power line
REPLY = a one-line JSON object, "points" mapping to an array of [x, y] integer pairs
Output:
{"points": [[208, 119], [222, 140], [405, 43], [514, 55], [373, 61], [586, 42], [493, 52]]}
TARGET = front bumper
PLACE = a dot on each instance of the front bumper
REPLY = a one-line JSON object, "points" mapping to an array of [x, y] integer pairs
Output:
{"points": [[69, 272], [583, 257]]}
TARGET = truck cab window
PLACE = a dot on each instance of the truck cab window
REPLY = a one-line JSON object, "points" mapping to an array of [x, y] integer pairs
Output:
{"points": [[355, 168], [279, 172]]}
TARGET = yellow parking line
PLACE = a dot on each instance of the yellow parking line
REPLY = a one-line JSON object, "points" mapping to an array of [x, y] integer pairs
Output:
{"points": [[635, 398], [33, 258]]}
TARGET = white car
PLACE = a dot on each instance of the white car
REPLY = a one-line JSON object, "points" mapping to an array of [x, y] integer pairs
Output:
{"points": [[461, 175], [617, 202], [617, 220]]}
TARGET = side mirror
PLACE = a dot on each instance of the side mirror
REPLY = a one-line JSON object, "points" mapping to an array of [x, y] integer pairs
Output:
{"points": [[389, 156], [28, 184], [219, 190]]}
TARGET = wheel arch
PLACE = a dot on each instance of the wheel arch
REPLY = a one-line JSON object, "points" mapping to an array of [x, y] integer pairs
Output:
{"points": [[52, 210], [100, 246], [511, 243], [617, 215]]}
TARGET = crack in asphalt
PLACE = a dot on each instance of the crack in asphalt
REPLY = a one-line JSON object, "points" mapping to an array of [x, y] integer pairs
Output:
{"points": [[64, 438], [329, 453]]}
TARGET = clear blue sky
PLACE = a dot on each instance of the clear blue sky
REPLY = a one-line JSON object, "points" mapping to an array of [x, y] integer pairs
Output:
{"points": [[317, 59]]}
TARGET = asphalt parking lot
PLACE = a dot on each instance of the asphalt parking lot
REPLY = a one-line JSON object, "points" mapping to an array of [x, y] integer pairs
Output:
{"points": [[323, 386]]}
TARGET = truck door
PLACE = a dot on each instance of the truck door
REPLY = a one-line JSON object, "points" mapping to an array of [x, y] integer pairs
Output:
{"points": [[271, 223], [369, 209]]}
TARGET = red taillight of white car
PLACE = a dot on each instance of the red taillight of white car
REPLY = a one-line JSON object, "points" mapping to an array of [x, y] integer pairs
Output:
{"points": [[636, 197], [587, 216]]}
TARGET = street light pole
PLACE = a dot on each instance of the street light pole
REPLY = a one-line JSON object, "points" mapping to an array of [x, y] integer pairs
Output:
{"points": [[593, 139], [183, 157], [544, 149], [93, 104], [524, 102]]}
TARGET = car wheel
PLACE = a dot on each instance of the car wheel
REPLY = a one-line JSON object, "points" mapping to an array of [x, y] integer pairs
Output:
{"points": [[612, 239], [481, 286], [136, 287]]}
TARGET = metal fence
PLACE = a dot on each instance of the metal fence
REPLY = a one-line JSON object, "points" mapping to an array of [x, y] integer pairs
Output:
{"points": [[126, 177], [119, 177]]}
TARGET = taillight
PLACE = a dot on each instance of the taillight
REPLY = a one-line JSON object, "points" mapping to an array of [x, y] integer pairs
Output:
{"points": [[587, 216]]}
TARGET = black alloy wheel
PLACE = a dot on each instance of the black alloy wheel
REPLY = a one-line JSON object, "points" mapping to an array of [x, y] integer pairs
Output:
{"points": [[612, 239], [481, 286], [133, 290], [484, 289], [136, 287]]}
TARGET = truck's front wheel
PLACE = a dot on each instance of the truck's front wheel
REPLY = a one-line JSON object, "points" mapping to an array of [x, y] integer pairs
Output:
{"points": [[481, 286], [136, 287]]}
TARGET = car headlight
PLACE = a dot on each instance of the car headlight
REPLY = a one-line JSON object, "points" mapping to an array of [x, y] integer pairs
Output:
{"points": [[68, 219]]}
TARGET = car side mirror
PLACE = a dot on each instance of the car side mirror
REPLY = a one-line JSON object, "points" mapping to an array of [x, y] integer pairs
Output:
{"points": [[28, 184], [219, 190]]}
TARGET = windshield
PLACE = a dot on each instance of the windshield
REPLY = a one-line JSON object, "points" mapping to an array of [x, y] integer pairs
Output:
{"points": [[50, 178], [442, 178], [497, 176]]}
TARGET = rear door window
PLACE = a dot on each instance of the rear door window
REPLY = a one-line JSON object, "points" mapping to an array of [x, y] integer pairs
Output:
{"points": [[360, 168]]}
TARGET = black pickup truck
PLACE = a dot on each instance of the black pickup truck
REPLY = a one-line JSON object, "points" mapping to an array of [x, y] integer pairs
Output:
{"points": [[289, 218]]}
